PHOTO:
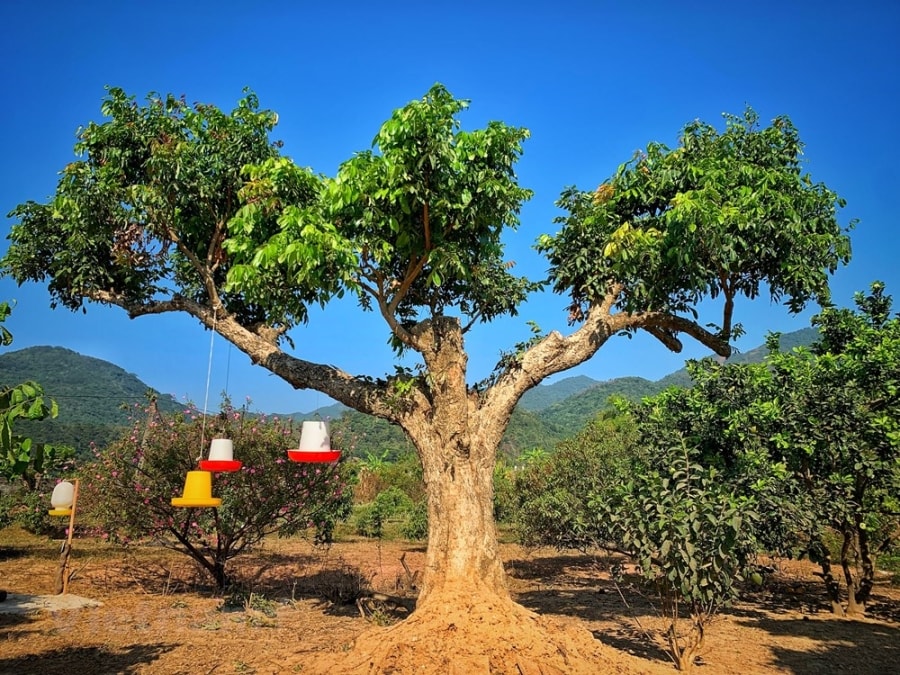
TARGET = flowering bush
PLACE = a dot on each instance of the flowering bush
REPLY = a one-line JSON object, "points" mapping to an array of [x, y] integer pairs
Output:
{"points": [[129, 487]]}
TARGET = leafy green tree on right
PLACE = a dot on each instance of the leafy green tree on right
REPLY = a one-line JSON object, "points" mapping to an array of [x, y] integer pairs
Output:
{"points": [[813, 435]]}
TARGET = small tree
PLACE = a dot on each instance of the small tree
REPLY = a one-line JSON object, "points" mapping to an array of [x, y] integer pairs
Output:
{"points": [[833, 413], [691, 536], [689, 532], [20, 457], [129, 487], [812, 435], [22, 460], [719, 421]]}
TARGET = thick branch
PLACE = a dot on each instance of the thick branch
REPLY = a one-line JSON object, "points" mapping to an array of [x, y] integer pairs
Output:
{"points": [[670, 341], [360, 394], [678, 324], [415, 267], [553, 354], [413, 270], [556, 353]]}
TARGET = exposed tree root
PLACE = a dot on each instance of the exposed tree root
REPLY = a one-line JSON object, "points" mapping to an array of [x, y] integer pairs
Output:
{"points": [[458, 635]]}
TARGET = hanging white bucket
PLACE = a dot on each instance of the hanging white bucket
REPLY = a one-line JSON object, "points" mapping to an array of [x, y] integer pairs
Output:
{"points": [[315, 444], [221, 450]]}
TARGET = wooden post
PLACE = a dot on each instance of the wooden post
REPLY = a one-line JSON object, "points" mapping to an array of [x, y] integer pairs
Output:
{"points": [[62, 575]]}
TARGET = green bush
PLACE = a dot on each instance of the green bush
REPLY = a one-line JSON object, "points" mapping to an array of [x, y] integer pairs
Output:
{"points": [[551, 492], [690, 535], [391, 504], [415, 527], [367, 521], [129, 487]]}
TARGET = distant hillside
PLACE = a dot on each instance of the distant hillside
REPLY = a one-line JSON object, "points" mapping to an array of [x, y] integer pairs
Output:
{"points": [[545, 395], [567, 416], [92, 394], [787, 341], [328, 412], [570, 415]]}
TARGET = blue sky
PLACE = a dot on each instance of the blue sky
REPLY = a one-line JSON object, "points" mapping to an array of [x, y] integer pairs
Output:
{"points": [[593, 81]]}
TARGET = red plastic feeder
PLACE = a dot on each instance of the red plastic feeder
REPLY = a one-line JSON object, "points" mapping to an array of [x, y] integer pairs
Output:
{"points": [[220, 465], [315, 445], [314, 456]]}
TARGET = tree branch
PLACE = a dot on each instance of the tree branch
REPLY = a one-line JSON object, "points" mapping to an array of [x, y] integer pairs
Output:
{"points": [[361, 394], [668, 339], [556, 353]]}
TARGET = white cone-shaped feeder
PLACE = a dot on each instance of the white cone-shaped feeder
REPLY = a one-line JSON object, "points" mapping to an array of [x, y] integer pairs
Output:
{"points": [[221, 457], [315, 444], [62, 499]]}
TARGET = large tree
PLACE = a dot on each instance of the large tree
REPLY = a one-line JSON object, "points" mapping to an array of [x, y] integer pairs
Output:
{"points": [[173, 207]]}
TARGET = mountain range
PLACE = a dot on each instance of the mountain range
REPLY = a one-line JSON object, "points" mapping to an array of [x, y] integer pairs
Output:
{"points": [[96, 399]]}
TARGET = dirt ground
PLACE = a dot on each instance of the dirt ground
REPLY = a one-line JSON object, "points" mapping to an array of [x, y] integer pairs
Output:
{"points": [[160, 616]]}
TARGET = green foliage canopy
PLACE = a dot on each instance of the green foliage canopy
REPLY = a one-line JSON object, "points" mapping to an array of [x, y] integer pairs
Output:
{"points": [[415, 222], [721, 214], [144, 211]]}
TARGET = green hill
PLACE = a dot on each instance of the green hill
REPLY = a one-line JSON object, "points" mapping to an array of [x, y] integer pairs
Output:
{"points": [[93, 395], [787, 341], [545, 395], [566, 417]]}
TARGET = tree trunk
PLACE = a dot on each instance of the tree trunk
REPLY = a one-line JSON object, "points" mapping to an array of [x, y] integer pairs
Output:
{"points": [[462, 540], [859, 585], [218, 573], [465, 619], [832, 587]]}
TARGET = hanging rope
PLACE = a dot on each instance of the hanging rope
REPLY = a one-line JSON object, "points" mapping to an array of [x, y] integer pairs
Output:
{"points": [[212, 338]]}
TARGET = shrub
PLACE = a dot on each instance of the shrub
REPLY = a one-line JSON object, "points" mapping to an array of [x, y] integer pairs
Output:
{"points": [[128, 489], [392, 504], [415, 527], [691, 537], [552, 491]]}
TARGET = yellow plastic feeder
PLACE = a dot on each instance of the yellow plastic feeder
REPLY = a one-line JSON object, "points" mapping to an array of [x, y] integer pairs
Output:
{"points": [[197, 492], [62, 498]]}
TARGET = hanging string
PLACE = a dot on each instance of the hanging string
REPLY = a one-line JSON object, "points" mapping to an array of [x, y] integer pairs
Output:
{"points": [[228, 368], [212, 337]]}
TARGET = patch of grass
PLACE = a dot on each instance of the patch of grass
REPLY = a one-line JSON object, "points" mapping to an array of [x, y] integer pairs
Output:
{"points": [[261, 603]]}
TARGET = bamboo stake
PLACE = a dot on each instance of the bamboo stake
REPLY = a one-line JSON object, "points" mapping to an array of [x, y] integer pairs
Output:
{"points": [[67, 547]]}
